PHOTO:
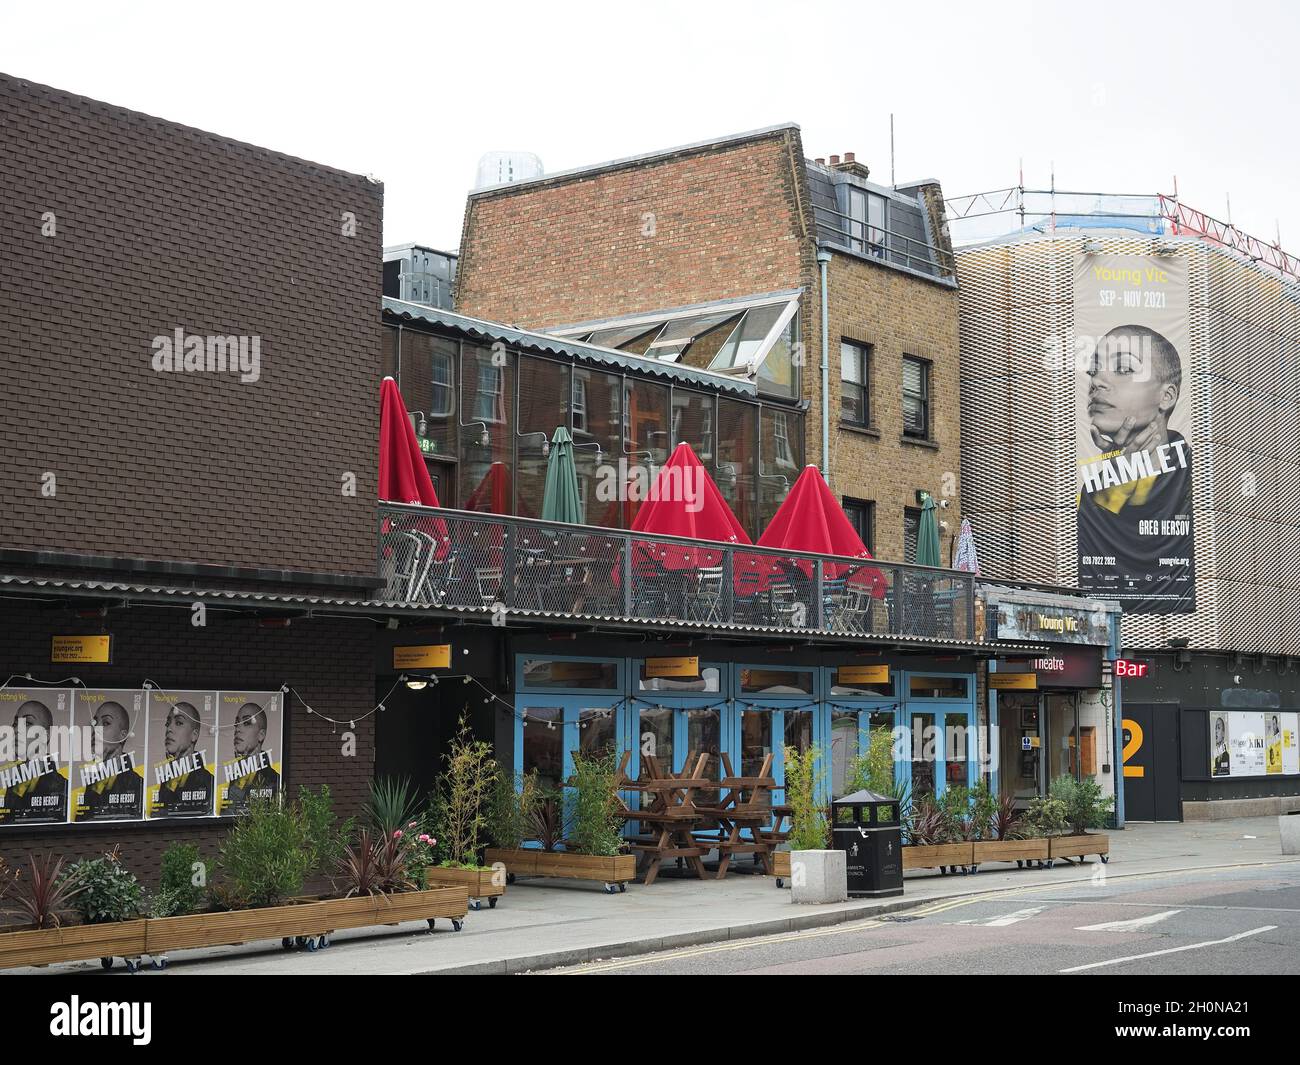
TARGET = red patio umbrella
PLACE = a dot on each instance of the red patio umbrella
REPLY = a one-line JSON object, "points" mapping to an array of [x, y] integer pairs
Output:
{"points": [[684, 501], [810, 519], [403, 476]]}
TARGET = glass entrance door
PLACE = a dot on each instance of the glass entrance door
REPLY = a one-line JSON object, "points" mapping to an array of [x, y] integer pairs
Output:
{"points": [[551, 729]]}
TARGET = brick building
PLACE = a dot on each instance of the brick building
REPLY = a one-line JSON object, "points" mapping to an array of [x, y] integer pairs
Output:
{"points": [[638, 254], [140, 503]]}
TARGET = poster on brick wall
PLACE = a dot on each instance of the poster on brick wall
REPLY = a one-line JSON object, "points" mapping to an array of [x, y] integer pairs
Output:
{"points": [[35, 747], [108, 771], [250, 732], [181, 754], [1133, 420]]}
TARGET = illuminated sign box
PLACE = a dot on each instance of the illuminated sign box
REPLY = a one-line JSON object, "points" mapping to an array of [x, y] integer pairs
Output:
{"points": [[81, 649], [1013, 681], [427, 656], [682, 666]]}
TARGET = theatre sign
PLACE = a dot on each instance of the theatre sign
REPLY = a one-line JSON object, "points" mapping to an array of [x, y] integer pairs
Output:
{"points": [[1043, 618]]}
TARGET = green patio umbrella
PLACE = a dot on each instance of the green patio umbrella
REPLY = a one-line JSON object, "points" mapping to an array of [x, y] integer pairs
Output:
{"points": [[560, 501], [927, 536]]}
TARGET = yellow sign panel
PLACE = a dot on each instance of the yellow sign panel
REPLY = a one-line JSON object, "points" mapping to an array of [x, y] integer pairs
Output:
{"points": [[81, 649], [874, 674], [681, 666], [427, 656], [1013, 681]]}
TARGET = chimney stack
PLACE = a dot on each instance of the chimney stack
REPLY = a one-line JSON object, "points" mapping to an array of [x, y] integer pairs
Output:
{"points": [[850, 165], [821, 161], [835, 160]]}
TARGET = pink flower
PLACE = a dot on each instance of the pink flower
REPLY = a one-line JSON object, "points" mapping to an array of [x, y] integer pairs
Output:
{"points": [[397, 833], [411, 825], [424, 837]]}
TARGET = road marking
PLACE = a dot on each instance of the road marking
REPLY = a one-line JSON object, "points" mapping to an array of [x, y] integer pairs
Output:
{"points": [[1170, 950], [1014, 918], [1131, 925]]}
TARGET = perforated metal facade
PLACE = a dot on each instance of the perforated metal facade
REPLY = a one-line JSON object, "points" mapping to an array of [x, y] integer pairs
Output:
{"points": [[1018, 431]]}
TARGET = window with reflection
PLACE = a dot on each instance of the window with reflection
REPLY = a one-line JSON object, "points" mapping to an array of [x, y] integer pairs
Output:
{"points": [[543, 388], [561, 673], [778, 372], [776, 681], [543, 752], [922, 687], [956, 748], [597, 440], [693, 414], [737, 464], [656, 736], [486, 432], [597, 731], [781, 458], [709, 680], [922, 746], [427, 380]]}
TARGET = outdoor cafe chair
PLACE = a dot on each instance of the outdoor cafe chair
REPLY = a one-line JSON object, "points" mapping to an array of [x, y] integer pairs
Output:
{"points": [[704, 601]]}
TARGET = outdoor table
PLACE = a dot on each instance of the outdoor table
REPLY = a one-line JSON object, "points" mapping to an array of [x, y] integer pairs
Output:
{"points": [[741, 810], [671, 816]]}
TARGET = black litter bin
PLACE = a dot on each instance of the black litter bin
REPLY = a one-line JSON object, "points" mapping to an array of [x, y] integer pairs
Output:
{"points": [[866, 827]]}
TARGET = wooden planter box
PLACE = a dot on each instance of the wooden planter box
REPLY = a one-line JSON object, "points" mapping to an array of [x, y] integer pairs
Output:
{"points": [[781, 867], [939, 857], [1011, 850], [1097, 843], [615, 871], [310, 920], [120, 939], [480, 883]]}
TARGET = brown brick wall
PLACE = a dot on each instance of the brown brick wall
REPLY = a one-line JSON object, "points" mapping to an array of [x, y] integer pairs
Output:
{"points": [[158, 226], [727, 224], [330, 662], [896, 314]]}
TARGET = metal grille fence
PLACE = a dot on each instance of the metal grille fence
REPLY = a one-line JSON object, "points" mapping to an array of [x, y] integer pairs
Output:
{"points": [[494, 563], [1018, 431]]}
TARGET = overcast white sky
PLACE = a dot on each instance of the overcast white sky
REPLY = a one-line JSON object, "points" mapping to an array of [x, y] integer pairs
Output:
{"points": [[1120, 96]]}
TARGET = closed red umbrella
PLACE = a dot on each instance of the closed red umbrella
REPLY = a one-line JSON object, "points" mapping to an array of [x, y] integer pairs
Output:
{"points": [[403, 476], [811, 519], [684, 501]]}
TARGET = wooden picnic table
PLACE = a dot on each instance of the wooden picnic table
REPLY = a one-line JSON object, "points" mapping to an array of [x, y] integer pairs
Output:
{"points": [[671, 816], [745, 806]]}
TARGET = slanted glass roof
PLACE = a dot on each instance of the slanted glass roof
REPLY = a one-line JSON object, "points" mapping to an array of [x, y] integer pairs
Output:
{"points": [[753, 337]]}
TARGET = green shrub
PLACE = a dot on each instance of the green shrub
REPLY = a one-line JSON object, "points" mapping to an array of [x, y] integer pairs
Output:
{"points": [[595, 827], [106, 890], [1045, 817], [266, 856], [512, 810], [1085, 806], [327, 837], [464, 793], [178, 892], [809, 830], [392, 805]]}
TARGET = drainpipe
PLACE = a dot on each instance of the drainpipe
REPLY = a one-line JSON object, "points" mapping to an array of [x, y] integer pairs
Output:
{"points": [[823, 258]]}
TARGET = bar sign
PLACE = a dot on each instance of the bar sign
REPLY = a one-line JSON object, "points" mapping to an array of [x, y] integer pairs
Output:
{"points": [[682, 666], [81, 649], [423, 656], [1013, 681]]}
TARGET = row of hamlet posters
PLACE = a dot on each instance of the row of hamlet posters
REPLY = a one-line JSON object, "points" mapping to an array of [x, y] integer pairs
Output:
{"points": [[1253, 743], [125, 754], [1133, 428]]}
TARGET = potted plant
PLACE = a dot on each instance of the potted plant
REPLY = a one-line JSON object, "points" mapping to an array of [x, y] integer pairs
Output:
{"points": [[1084, 807], [818, 874], [1009, 837], [935, 836], [593, 847], [460, 817]]}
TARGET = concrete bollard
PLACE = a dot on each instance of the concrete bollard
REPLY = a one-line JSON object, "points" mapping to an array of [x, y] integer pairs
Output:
{"points": [[818, 877], [1288, 827]]}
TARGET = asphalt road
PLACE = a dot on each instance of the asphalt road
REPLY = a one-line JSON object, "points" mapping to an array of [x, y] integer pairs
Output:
{"points": [[1225, 922]]}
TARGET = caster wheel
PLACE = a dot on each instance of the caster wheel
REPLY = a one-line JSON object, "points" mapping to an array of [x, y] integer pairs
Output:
{"points": [[1020, 863], [622, 888], [780, 882], [160, 964], [457, 925], [1051, 862], [510, 878], [974, 869], [107, 963], [1105, 859], [432, 923], [311, 946], [475, 904], [492, 903], [287, 943], [324, 941], [132, 966], [611, 889]]}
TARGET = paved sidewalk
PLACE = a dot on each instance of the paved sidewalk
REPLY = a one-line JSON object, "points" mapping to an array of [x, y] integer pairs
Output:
{"points": [[542, 924]]}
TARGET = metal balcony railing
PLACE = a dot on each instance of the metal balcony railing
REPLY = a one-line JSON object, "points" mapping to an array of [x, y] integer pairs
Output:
{"points": [[433, 557], [878, 242]]}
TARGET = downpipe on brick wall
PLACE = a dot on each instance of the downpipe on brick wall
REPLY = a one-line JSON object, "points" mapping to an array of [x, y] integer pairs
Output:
{"points": [[823, 258]]}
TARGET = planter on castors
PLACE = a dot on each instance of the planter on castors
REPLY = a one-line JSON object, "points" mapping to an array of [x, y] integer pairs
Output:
{"points": [[1011, 850], [46, 946], [481, 884], [781, 868], [615, 871], [1097, 843], [818, 877], [940, 856]]}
